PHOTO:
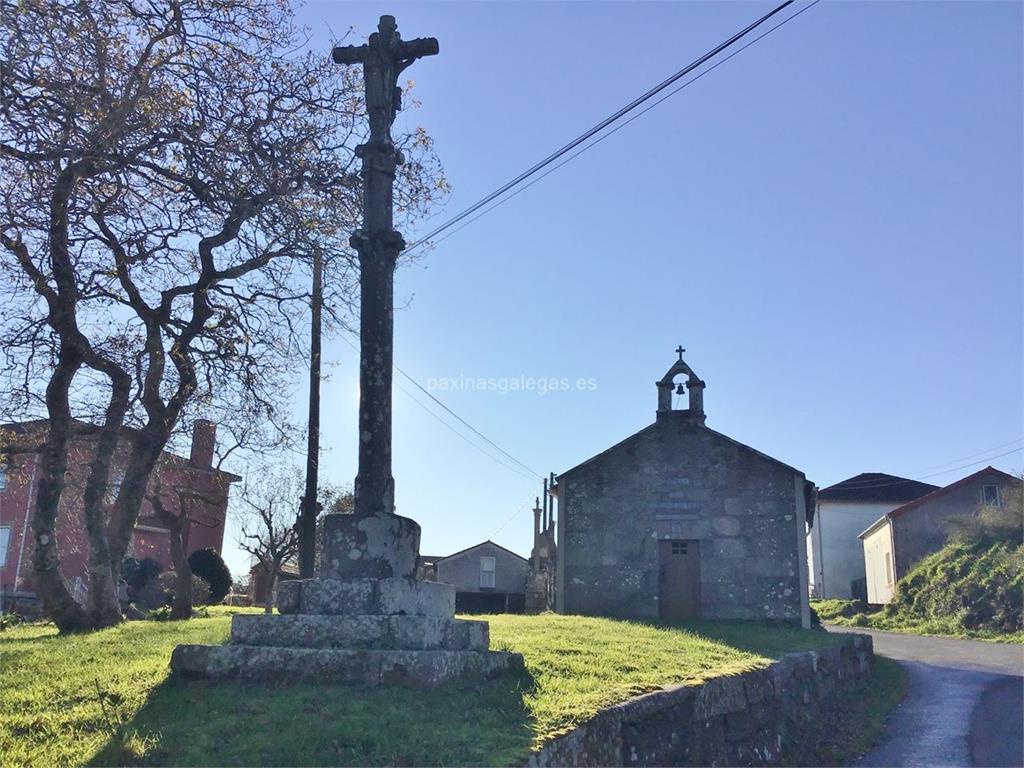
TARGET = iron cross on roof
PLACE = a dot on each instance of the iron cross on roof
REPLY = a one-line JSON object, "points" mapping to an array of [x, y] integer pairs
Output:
{"points": [[679, 351]]}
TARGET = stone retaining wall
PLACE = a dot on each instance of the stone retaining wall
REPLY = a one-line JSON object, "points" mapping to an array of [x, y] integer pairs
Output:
{"points": [[746, 719]]}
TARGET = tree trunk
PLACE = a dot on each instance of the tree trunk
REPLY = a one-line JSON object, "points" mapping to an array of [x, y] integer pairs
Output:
{"points": [[268, 604], [143, 459], [58, 603], [104, 605], [103, 576], [182, 606]]}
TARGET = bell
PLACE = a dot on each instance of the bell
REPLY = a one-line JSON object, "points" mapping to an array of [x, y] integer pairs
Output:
{"points": [[680, 389]]}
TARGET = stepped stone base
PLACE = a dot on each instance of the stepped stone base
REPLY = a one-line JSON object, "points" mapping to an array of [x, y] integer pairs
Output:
{"points": [[362, 631], [413, 633], [364, 667], [362, 597], [365, 622]]}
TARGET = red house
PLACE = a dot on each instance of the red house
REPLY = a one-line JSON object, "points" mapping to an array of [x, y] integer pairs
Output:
{"points": [[191, 485]]}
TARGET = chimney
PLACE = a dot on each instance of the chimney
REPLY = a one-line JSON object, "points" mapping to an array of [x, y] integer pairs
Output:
{"points": [[204, 436]]}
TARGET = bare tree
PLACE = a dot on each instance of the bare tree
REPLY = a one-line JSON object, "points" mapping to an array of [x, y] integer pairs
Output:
{"points": [[168, 171], [267, 528], [178, 507], [267, 505]]}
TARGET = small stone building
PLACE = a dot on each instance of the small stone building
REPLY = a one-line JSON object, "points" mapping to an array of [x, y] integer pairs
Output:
{"points": [[487, 578], [899, 539], [681, 522]]}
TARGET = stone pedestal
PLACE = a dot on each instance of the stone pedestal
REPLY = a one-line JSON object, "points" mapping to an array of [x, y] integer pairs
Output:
{"points": [[371, 547], [366, 621]]}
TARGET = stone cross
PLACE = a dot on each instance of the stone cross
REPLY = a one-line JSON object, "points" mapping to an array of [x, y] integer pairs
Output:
{"points": [[384, 58], [679, 351], [365, 619]]}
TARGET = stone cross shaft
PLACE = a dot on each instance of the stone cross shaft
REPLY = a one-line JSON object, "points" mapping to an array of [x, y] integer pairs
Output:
{"points": [[383, 58]]}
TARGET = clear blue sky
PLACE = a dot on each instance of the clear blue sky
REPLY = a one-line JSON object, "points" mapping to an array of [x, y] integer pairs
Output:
{"points": [[830, 223]]}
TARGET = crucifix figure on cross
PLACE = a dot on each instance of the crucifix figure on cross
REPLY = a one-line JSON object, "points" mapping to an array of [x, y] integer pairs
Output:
{"points": [[384, 58]]}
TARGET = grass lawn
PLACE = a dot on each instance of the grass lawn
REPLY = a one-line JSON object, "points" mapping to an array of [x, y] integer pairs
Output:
{"points": [[106, 698]]}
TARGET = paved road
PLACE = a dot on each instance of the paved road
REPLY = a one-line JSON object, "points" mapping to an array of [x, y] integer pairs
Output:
{"points": [[964, 703]]}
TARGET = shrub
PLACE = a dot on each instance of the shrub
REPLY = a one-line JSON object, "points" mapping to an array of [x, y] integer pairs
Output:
{"points": [[208, 565], [169, 585], [163, 613], [993, 524], [138, 573]]}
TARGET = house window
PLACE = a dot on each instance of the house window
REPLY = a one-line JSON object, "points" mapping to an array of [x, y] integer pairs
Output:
{"points": [[3, 479], [888, 567], [5, 540], [678, 547], [990, 496], [487, 572]]}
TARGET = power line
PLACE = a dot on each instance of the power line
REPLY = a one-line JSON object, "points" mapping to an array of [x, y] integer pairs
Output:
{"points": [[473, 429], [533, 474], [970, 464], [493, 458], [455, 431], [601, 125], [871, 486], [504, 525], [614, 130], [979, 453]]}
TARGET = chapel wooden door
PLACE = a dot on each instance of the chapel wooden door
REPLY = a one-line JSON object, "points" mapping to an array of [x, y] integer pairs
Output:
{"points": [[678, 579]]}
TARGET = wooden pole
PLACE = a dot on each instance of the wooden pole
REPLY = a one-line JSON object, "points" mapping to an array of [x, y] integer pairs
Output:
{"points": [[310, 506]]}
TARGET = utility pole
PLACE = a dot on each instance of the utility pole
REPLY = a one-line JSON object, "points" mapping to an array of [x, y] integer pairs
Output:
{"points": [[374, 542], [310, 507]]}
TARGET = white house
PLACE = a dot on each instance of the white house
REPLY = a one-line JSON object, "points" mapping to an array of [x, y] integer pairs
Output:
{"points": [[834, 551]]}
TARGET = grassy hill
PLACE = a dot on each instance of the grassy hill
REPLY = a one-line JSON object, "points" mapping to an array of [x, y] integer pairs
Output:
{"points": [[107, 698], [973, 586]]}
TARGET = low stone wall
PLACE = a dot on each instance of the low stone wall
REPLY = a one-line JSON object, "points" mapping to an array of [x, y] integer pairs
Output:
{"points": [[746, 719]]}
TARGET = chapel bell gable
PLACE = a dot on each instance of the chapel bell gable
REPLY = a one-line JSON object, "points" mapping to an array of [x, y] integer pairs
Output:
{"points": [[668, 386]]}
